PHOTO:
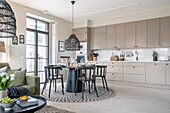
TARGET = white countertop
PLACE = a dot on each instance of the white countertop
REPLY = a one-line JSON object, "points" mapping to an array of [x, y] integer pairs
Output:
{"points": [[133, 61]]}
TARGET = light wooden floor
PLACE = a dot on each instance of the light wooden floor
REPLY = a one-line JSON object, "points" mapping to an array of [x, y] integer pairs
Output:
{"points": [[129, 99]]}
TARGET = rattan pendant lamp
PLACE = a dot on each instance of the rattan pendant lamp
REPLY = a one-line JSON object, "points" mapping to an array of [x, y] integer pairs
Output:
{"points": [[7, 21], [72, 43]]}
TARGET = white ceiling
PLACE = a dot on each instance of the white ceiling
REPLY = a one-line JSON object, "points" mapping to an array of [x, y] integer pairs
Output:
{"points": [[62, 8]]}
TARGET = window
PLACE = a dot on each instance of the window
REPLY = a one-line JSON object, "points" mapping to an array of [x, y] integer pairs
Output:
{"points": [[37, 48]]}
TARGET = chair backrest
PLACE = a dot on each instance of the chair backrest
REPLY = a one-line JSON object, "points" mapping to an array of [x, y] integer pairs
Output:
{"points": [[83, 71], [101, 70], [51, 71]]}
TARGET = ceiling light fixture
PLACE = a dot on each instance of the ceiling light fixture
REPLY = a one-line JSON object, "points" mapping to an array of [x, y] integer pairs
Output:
{"points": [[72, 43], [7, 21], [112, 9]]}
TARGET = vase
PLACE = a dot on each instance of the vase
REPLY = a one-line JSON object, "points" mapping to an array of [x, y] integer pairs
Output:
{"points": [[155, 58], [3, 94]]}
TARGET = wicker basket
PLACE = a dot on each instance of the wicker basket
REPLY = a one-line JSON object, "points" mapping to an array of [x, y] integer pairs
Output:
{"points": [[114, 58]]}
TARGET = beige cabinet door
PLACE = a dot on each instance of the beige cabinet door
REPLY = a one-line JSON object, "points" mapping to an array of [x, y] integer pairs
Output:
{"points": [[167, 74], [111, 37], [153, 33], [81, 33], [130, 35], [120, 36], [141, 34], [100, 41], [165, 32], [92, 40], [155, 73]]}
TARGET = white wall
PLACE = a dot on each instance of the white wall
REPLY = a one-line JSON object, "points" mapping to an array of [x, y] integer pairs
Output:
{"points": [[18, 52], [126, 18]]}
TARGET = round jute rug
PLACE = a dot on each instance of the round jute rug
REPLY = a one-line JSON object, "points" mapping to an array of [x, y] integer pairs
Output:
{"points": [[71, 97]]}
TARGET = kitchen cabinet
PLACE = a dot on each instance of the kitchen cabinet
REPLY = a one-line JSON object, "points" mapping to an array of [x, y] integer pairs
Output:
{"points": [[155, 73], [111, 37], [130, 35], [167, 66], [154, 33], [98, 38], [141, 34], [81, 33], [134, 72], [165, 32], [114, 71], [120, 36]]}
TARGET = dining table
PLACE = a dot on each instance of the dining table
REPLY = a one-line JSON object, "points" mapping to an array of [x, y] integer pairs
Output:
{"points": [[71, 81]]}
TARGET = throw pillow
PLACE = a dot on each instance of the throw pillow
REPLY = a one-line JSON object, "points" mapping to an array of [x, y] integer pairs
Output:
{"points": [[3, 69], [19, 78], [11, 71]]}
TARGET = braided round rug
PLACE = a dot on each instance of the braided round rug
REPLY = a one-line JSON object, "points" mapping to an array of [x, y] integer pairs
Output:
{"points": [[70, 97]]}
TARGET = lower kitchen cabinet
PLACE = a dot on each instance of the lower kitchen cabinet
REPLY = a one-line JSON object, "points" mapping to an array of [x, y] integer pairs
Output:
{"points": [[114, 76], [167, 73], [134, 78], [155, 73]]}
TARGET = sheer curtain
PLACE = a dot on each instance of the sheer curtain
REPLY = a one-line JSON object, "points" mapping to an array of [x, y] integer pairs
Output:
{"points": [[4, 56]]}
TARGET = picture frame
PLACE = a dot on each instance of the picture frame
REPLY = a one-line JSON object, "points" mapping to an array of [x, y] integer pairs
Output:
{"points": [[15, 40], [21, 39], [61, 46]]}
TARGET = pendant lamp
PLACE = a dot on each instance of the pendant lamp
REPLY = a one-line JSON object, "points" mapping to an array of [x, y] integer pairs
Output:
{"points": [[7, 21], [72, 43]]}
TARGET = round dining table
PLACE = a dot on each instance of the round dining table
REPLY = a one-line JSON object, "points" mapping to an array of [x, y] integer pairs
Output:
{"points": [[71, 81]]}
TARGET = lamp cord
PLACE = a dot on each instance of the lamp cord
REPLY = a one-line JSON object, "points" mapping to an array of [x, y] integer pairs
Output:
{"points": [[72, 15]]}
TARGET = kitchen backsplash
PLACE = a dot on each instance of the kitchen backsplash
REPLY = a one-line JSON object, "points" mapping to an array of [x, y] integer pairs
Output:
{"points": [[144, 54]]}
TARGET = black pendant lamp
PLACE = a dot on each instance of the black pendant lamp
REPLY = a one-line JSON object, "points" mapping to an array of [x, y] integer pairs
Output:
{"points": [[7, 21], [72, 43]]}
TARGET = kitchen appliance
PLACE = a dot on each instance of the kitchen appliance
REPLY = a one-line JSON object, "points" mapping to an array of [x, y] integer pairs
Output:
{"points": [[82, 54], [164, 58]]}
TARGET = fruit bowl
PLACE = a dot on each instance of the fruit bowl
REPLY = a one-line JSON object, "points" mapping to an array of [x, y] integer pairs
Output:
{"points": [[8, 106]]}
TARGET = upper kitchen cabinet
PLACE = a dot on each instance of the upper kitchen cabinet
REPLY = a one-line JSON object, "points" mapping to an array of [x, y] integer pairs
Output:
{"points": [[130, 35], [141, 34], [153, 33], [165, 32], [120, 36], [111, 37], [98, 38], [81, 33]]}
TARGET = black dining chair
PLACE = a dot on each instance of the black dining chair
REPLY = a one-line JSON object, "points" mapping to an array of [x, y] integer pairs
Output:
{"points": [[52, 74], [86, 74], [101, 73]]}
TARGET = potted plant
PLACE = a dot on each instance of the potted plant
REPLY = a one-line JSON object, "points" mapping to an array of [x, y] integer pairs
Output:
{"points": [[5, 81], [155, 56]]}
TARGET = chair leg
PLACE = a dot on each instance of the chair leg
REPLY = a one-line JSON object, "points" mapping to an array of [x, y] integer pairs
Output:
{"points": [[89, 87], [76, 86], [50, 89], [106, 84], [95, 88], [91, 84], [62, 83], [83, 83], [45, 83], [55, 84], [103, 83]]}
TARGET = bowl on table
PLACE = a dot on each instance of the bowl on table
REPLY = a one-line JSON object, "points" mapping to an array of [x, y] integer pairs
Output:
{"points": [[8, 106]]}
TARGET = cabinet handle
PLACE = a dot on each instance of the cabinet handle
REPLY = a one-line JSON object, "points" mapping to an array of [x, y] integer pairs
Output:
{"points": [[112, 63], [133, 67], [112, 74], [167, 64], [112, 66], [155, 64]]}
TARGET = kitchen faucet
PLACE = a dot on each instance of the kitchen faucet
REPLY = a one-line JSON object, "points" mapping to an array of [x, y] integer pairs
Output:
{"points": [[136, 53]]}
